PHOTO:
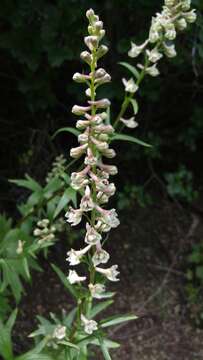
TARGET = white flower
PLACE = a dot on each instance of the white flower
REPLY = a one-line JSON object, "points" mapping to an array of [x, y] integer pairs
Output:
{"points": [[74, 216], [136, 50], [43, 223], [90, 159], [110, 273], [74, 256], [190, 16], [186, 5], [170, 31], [154, 55], [100, 257], [97, 290], [59, 332], [152, 70], [74, 278], [111, 218], [79, 180], [92, 236], [169, 3], [130, 85], [87, 203], [181, 24], [169, 50], [153, 35], [89, 325], [130, 123]]}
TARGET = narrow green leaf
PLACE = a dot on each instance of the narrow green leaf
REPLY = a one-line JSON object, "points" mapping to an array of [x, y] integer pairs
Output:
{"points": [[52, 186], [115, 320], [129, 138], [66, 129], [64, 280], [131, 68], [104, 350], [69, 344], [70, 317], [11, 320], [100, 307], [26, 268], [134, 105], [69, 195], [29, 183]]}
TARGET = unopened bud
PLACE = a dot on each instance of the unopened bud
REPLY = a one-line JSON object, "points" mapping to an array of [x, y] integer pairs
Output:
{"points": [[80, 78], [102, 50], [90, 13], [87, 57], [91, 42]]}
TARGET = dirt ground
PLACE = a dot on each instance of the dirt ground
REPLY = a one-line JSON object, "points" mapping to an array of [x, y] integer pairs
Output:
{"points": [[149, 247]]}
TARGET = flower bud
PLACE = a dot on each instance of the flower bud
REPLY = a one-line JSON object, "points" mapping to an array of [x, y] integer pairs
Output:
{"points": [[91, 42], [90, 13], [82, 124], [78, 151], [80, 78], [102, 50], [98, 25], [103, 103], [109, 153], [87, 57], [80, 110]]}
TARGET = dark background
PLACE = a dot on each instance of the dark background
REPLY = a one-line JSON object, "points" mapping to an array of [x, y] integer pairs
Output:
{"points": [[40, 43]]}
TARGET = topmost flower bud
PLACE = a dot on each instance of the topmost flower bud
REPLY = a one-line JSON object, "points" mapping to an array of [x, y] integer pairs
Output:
{"points": [[90, 13]]}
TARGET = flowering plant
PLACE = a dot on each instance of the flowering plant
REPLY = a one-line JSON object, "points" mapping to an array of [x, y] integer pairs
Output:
{"points": [[92, 181], [70, 336]]}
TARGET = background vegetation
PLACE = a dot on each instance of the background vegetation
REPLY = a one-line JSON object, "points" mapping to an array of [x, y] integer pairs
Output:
{"points": [[40, 43]]}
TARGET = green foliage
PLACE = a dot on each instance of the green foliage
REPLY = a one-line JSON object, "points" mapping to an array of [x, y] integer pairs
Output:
{"points": [[133, 194], [180, 184]]}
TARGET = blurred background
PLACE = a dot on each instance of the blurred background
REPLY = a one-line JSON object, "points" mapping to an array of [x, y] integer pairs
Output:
{"points": [[159, 188]]}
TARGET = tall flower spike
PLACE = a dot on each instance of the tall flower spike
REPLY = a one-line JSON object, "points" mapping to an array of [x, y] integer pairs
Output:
{"points": [[93, 179]]}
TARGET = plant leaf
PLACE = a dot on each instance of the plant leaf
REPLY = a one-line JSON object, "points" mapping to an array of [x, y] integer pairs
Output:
{"points": [[134, 105], [104, 350], [100, 307], [64, 280], [131, 68], [115, 320], [129, 138], [69, 195], [66, 129]]}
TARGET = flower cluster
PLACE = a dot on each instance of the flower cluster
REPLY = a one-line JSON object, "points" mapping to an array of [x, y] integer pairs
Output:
{"points": [[175, 16], [44, 232], [93, 179], [58, 168]]}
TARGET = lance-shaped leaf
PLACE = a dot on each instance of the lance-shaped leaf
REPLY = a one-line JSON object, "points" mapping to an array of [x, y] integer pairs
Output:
{"points": [[131, 68], [66, 129], [115, 320], [129, 138]]}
